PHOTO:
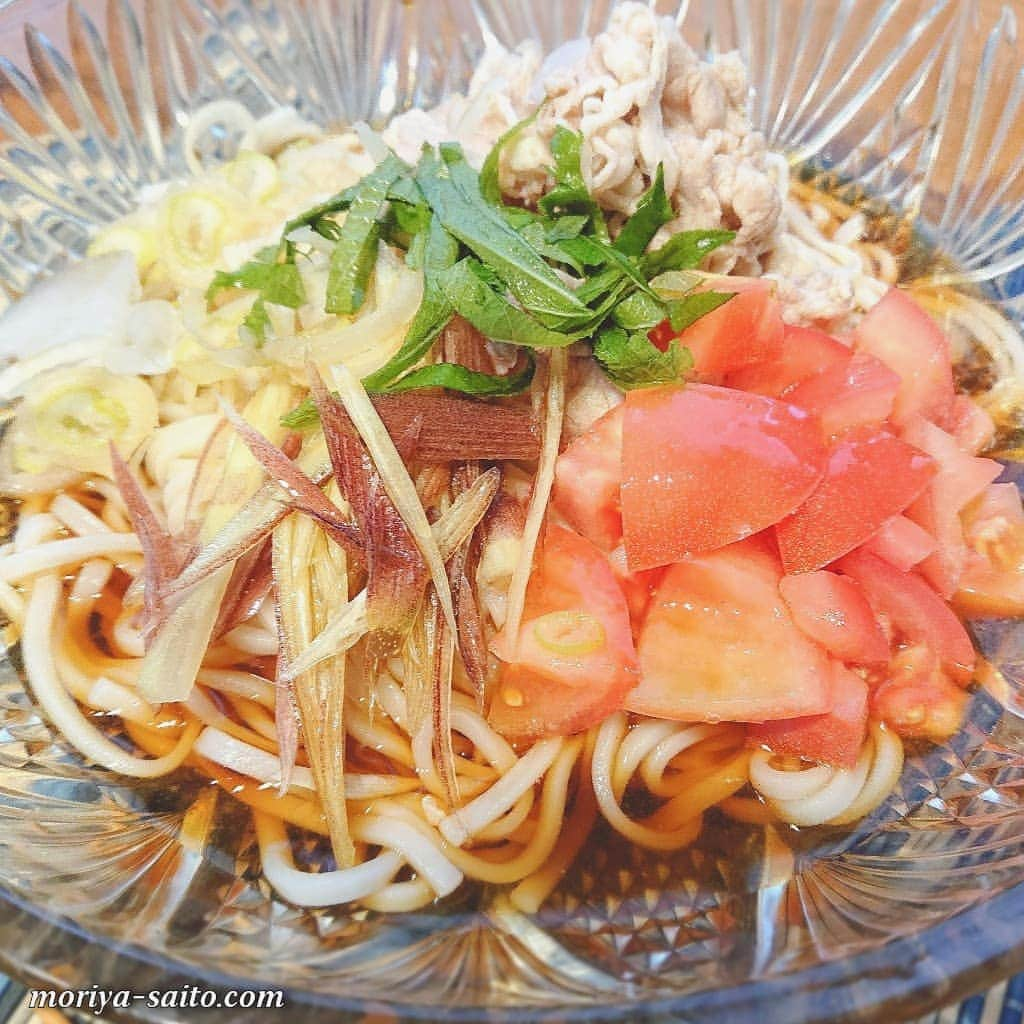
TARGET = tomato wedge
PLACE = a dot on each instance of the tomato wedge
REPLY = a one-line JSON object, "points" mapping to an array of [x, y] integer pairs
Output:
{"points": [[901, 542], [834, 738], [900, 333], [748, 329], [833, 612], [587, 479], [804, 353], [960, 479], [574, 660], [917, 700], [857, 393], [637, 587], [719, 644], [870, 477], [916, 612], [704, 466]]}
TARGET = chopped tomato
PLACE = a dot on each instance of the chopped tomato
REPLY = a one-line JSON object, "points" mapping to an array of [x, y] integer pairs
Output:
{"points": [[959, 480], [638, 587], [574, 660], [901, 542], [992, 582], [746, 330], [662, 336], [833, 612], [972, 427], [704, 466], [900, 333], [719, 644], [804, 353], [870, 477], [834, 738], [989, 588], [587, 478], [857, 393], [917, 700], [915, 611]]}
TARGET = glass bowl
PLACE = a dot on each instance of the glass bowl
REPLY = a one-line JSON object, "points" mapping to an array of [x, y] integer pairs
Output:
{"points": [[922, 104]]}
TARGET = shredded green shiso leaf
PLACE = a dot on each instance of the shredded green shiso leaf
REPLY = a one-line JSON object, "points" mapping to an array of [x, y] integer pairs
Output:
{"points": [[537, 279]]}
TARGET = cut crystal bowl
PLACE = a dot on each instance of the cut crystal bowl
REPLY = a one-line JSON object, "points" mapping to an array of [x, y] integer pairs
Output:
{"points": [[922, 103]]}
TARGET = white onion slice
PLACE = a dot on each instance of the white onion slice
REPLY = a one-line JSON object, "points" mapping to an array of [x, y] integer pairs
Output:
{"points": [[100, 291]]}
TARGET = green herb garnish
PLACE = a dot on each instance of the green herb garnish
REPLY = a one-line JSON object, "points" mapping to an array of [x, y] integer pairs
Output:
{"points": [[490, 189], [471, 294], [452, 188], [653, 212], [570, 194], [469, 382], [355, 254], [543, 278], [686, 311], [257, 320], [440, 251], [277, 282], [274, 276], [684, 251], [631, 361]]}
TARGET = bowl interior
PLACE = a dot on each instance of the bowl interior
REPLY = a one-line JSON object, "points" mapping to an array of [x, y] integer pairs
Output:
{"points": [[919, 103]]}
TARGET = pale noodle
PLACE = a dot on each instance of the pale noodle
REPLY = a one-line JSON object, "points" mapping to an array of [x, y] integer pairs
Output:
{"points": [[833, 796]]}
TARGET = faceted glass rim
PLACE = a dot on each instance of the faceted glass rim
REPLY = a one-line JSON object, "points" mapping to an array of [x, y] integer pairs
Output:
{"points": [[964, 954]]}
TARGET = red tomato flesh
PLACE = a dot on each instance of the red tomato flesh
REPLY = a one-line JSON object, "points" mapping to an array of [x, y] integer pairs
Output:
{"points": [[719, 644], [574, 660], [900, 333], [917, 700], [972, 427], [960, 479], [833, 612], [901, 542], [637, 587], [704, 466], [857, 393], [870, 477], [916, 612], [746, 330], [587, 478], [662, 336], [804, 353], [835, 737]]}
